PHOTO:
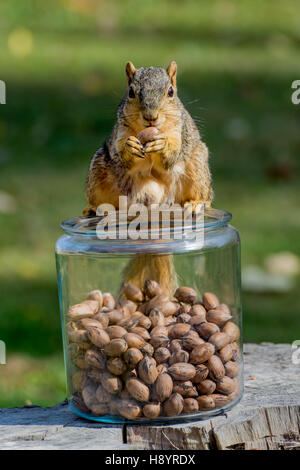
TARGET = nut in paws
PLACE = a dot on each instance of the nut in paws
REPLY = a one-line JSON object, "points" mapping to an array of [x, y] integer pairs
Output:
{"points": [[158, 144], [134, 147]]}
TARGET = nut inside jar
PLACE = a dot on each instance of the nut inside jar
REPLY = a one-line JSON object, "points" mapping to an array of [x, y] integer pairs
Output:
{"points": [[178, 358]]}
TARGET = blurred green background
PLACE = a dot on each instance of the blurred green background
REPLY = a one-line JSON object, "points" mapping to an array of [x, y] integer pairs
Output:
{"points": [[63, 63]]}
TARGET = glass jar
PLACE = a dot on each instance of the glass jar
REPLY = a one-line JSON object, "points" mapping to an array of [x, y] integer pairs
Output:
{"points": [[151, 328]]}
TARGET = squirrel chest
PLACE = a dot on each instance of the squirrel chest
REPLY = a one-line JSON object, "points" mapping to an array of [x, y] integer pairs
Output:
{"points": [[152, 181], [153, 185]]}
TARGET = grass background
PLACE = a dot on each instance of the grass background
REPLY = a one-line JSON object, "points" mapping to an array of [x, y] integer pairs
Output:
{"points": [[63, 64]]}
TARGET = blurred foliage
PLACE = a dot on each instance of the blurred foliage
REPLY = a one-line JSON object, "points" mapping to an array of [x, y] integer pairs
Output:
{"points": [[27, 381], [63, 64]]}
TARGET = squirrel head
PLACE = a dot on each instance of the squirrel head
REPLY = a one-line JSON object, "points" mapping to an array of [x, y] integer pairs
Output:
{"points": [[151, 94]]}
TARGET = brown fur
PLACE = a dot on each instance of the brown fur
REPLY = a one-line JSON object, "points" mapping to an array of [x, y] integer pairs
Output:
{"points": [[171, 169]]}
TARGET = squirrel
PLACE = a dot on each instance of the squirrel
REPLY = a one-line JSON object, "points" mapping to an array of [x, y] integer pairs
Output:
{"points": [[171, 168]]}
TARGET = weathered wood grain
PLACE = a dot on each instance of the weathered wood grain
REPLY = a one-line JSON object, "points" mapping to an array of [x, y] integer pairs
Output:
{"points": [[268, 417], [54, 428]]}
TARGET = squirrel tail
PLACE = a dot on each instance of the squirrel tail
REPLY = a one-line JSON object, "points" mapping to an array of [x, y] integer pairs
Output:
{"points": [[159, 268]]}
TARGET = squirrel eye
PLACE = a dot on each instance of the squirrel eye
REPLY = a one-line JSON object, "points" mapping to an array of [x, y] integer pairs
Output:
{"points": [[131, 93], [170, 92]]}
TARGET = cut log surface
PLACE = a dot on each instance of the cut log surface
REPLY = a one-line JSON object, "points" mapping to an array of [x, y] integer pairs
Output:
{"points": [[268, 417]]}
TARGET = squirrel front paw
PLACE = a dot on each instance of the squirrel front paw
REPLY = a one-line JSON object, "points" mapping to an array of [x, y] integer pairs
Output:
{"points": [[193, 208], [157, 145], [133, 148]]}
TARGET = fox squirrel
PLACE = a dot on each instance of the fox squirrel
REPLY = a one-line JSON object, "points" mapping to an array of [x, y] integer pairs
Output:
{"points": [[172, 168]]}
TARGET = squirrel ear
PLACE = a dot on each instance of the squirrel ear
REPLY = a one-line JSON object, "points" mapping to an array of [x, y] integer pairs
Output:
{"points": [[130, 71], [171, 71]]}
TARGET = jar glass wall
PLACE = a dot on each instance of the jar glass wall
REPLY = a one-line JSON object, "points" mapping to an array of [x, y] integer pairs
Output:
{"points": [[151, 330]]}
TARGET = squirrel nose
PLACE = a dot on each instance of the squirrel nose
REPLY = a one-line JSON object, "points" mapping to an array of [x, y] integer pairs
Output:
{"points": [[150, 119]]}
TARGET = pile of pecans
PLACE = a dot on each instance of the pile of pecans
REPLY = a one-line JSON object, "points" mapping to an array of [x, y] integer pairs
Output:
{"points": [[149, 355]]}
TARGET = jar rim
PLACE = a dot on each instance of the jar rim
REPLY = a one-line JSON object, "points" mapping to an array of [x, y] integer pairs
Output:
{"points": [[87, 226]]}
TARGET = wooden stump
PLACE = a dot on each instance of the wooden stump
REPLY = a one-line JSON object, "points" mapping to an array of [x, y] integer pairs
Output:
{"points": [[268, 417]]}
